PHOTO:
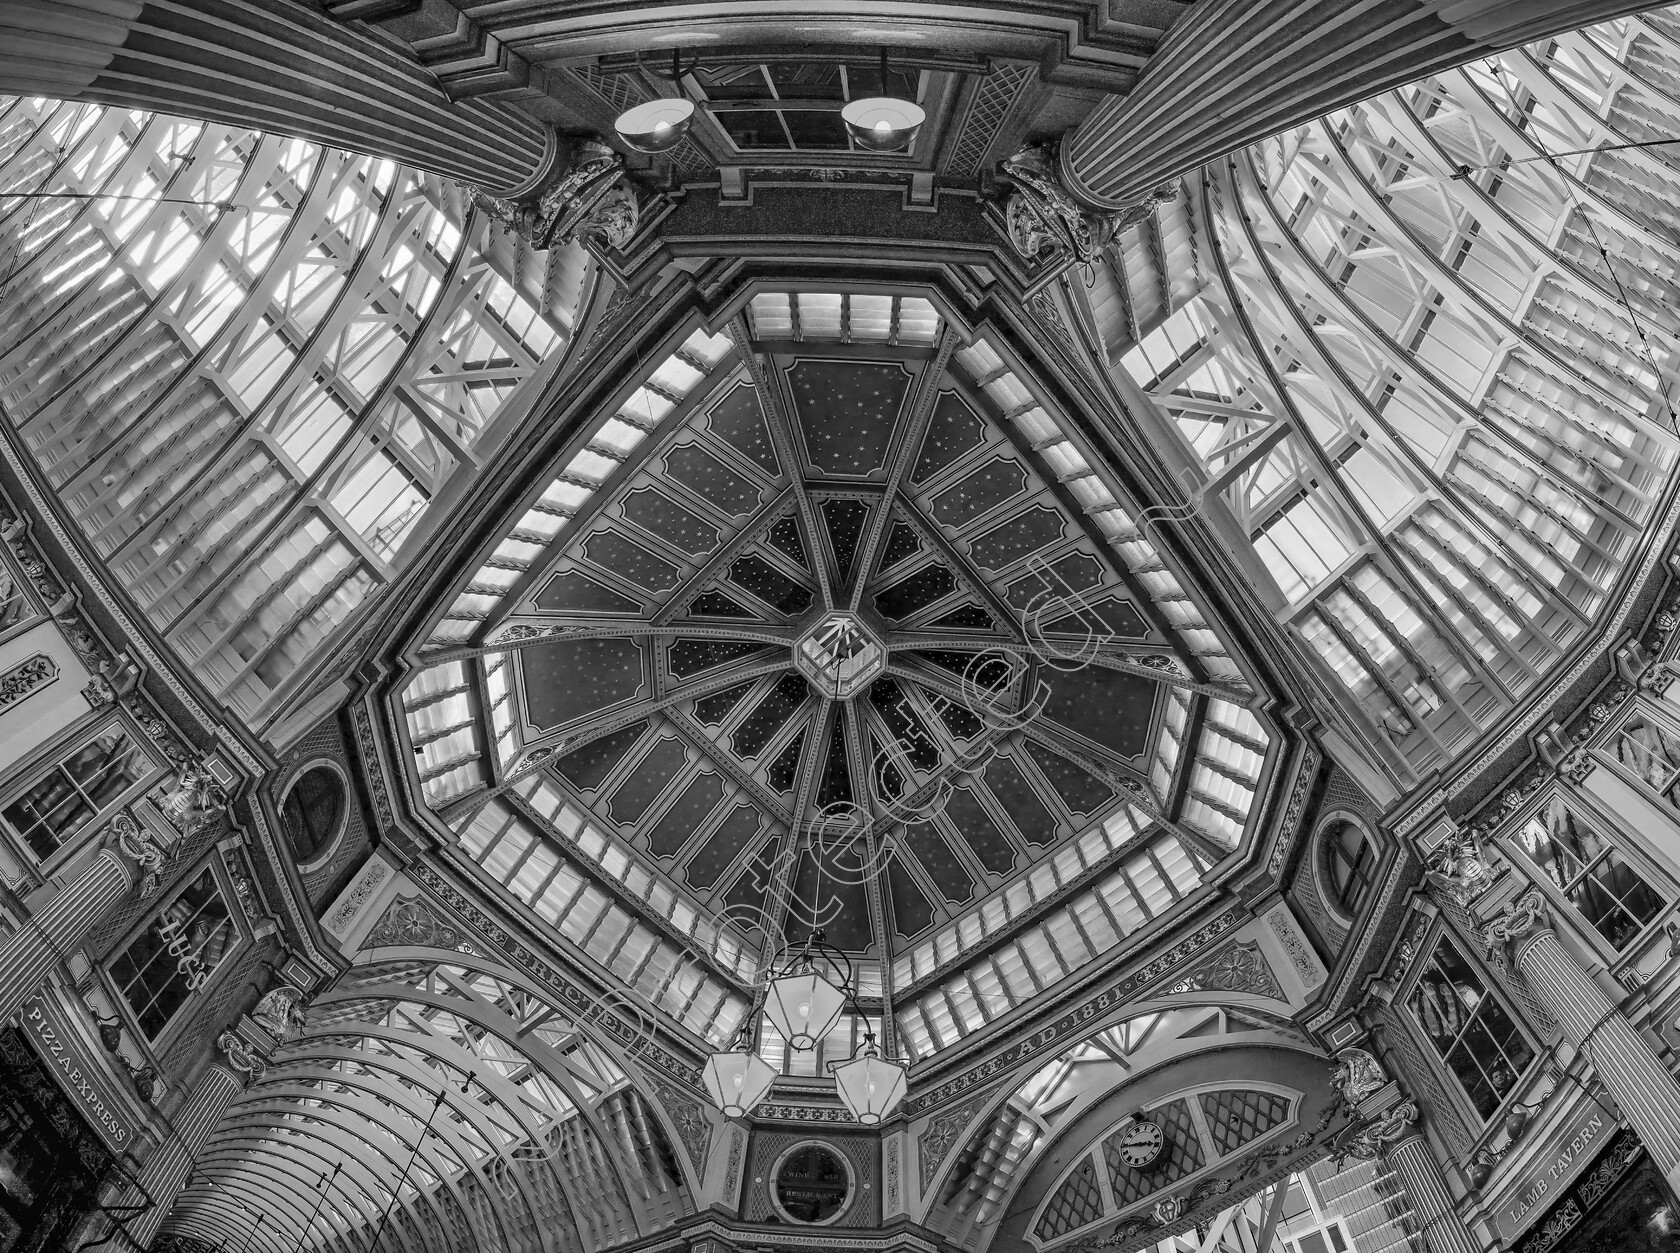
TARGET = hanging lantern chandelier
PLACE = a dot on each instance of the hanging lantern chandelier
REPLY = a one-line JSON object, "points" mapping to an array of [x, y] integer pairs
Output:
{"points": [[804, 999]]}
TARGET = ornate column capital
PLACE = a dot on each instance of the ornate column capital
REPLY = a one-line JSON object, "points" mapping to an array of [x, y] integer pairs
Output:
{"points": [[1370, 1139], [587, 196], [1527, 915], [1043, 215], [241, 1057], [143, 848]]}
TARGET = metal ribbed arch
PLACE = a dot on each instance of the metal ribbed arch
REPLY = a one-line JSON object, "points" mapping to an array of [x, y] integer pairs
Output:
{"points": [[451, 1054], [277, 1086], [349, 1125], [352, 987], [247, 1149], [360, 1206], [1015, 1130], [297, 1176], [211, 1212], [365, 1105], [447, 1051], [250, 1150]]}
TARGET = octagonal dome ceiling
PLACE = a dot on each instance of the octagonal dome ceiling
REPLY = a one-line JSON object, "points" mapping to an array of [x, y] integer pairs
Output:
{"points": [[844, 631]]}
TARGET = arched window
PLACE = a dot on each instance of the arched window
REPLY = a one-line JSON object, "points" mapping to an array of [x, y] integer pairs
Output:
{"points": [[311, 811], [1351, 853]]}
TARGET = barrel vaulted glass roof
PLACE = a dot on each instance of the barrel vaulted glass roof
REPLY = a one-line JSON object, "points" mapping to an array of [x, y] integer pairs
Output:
{"points": [[1400, 337], [248, 365]]}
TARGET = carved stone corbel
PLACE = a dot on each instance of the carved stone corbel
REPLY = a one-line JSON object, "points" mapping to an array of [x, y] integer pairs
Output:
{"points": [[1042, 215], [195, 797], [1356, 1075], [280, 1012], [590, 197], [1459, 866]]}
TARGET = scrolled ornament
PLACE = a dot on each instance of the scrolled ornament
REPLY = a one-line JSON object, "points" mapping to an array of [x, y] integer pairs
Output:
{"points": [[240, 1056], [1356, 1075], [1525, 914], [1040, 214], [142, 848], [1372, 1138], [1168, 1210]]}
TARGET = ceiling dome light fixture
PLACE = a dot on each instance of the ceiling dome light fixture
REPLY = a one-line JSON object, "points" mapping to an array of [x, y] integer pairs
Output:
{"points": [[883, 123], [659, 125]]}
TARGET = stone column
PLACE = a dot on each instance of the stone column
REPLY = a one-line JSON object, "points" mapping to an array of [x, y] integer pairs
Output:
{"points": [[1647, 1093], [1236, 71], [1420, 1174], [274, 65], [44, 939], [166, 1171], [1388, 1129]]}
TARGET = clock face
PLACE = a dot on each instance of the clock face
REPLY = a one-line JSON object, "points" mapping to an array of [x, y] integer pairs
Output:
{"points": [[1141, 1144]]}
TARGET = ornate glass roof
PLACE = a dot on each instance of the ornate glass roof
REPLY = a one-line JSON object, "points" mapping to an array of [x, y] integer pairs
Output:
{"points": [[636, 714]]}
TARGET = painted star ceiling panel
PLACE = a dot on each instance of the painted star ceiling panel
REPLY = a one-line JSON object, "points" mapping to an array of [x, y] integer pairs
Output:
{"points": [[839, 639]]}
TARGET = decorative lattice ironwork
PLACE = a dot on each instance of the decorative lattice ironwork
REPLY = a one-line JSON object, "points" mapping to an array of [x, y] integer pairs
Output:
{"points": [[1236, 1116], [1077, 1202]]}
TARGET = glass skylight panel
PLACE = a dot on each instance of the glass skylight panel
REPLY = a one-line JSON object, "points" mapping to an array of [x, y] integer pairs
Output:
{"points": [[1144, 886]]}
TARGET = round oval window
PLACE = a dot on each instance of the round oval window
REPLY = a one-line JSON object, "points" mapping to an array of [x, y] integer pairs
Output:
{"points": [[311, 812], [812, 1184]]}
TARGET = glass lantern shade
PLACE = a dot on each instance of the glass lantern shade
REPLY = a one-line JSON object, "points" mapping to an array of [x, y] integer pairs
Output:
{"points": [[737, 1081], [804, 1007], [871, 1086], [882, 123], [657, 126]]}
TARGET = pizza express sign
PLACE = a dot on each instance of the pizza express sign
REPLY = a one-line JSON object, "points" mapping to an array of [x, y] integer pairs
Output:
{"points": [[78, 1074]]}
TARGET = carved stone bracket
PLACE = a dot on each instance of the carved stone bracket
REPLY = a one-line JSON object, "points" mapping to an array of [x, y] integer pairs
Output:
{"points": [[1459, 866], [1042, 215], [280, 1012], [195, 799], [590, 197], [1356, 1075]]}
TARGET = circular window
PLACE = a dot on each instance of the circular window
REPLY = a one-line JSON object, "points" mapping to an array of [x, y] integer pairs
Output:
{"points": [[1352, 856], [813, 1184], [311, 811]]}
